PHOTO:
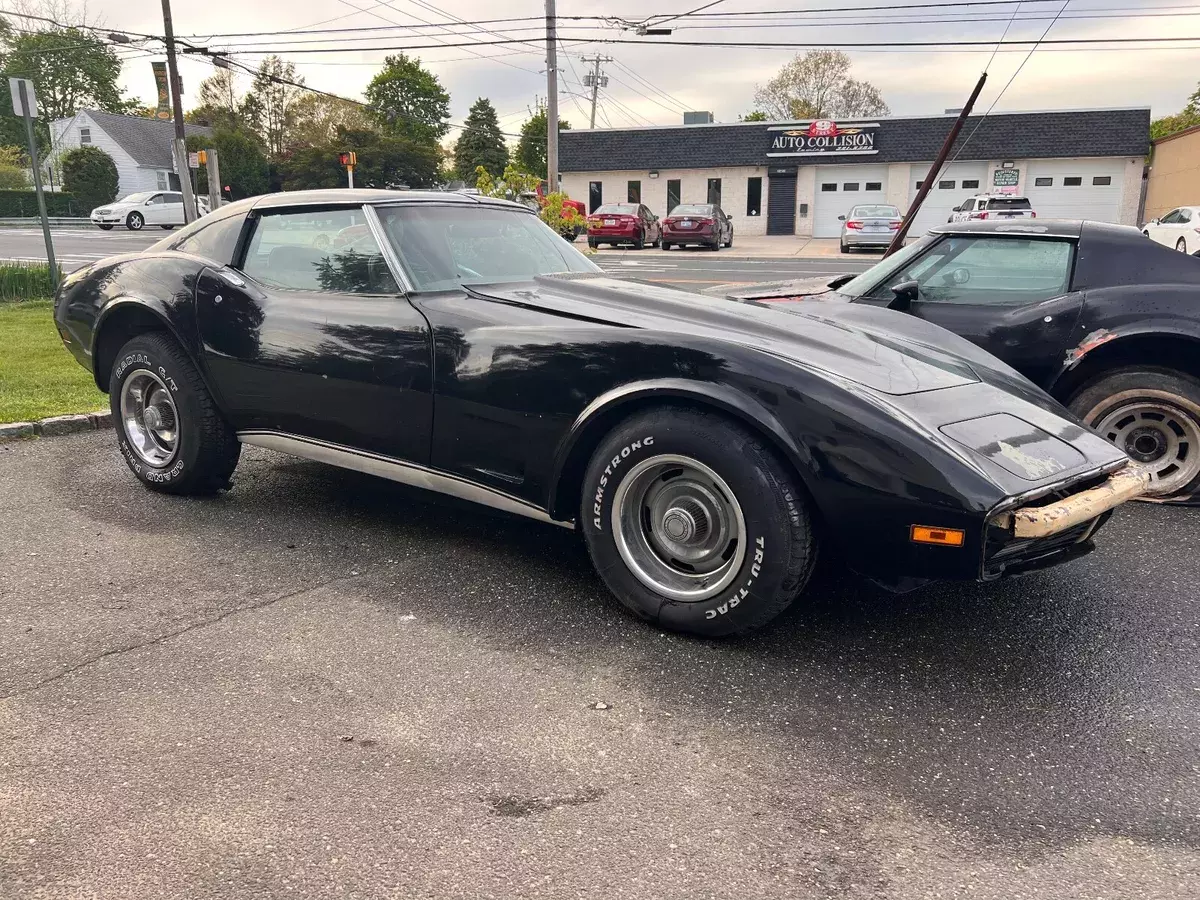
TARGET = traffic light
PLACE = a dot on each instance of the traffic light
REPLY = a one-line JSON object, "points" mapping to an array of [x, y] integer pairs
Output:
{"points": [[202, 157], [347, 158]]}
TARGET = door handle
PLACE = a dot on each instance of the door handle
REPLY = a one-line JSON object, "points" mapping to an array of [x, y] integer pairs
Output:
{"points": [[232, 279]]}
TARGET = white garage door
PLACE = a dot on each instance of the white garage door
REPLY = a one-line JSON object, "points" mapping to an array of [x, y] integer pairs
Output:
{"points": [[956, 183], [1075, 189], [838, 188]]}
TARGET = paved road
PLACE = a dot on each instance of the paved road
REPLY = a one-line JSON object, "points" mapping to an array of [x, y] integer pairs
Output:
{"points": [[77, 247], [322, 685]]}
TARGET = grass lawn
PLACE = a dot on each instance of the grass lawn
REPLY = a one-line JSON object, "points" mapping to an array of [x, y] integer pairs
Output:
{"points": [[38, 375]]}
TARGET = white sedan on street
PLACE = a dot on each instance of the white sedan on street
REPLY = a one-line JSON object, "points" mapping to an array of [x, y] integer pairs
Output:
{"points": [[135, 212], [1180, 229]]}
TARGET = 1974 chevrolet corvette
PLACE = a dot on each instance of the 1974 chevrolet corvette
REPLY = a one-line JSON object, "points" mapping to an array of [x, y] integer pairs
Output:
{"points": [[704, 448]]}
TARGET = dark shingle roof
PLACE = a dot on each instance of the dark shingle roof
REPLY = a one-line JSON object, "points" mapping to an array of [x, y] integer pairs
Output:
{"points": [[148, 141], [1043, 135]]}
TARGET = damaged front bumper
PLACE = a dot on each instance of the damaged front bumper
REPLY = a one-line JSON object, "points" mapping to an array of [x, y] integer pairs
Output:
{"points": [[1035, 536]]}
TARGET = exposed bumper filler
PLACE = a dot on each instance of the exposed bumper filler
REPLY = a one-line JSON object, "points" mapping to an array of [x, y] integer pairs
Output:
{"points": [[1069, 512]]}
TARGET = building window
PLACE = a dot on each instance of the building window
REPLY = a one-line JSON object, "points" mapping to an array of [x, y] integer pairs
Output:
{"points": [[714, 191], [850, 186], [947, 185], [595, 195], [920, 184], [164, 180], [753, 196], [634, 192], [828, 188], [85, 135], [874, 185], [1043, 182], [1102, 180], [970, 184], [1072, 181], [672, 194]]}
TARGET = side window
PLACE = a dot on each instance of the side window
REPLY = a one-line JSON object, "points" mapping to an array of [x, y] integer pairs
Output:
{"points": [[984, 270], [633, 191], [1185, 215], [155, 200], [172, 198], [967, 206], [214, 239], [332, 250], [1171, 218]]}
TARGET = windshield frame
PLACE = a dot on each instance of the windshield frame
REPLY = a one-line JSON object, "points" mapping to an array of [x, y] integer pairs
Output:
{"points": [[137, 197], [574, 262], [864, 283]]}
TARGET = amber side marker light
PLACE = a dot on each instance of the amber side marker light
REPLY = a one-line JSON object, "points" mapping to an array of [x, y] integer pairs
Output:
{"points": [[946, 537]]}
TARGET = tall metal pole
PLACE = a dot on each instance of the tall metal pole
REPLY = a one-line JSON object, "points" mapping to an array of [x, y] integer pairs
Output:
{"points": [[180, 149], [37, 184], [595, 90], [551, 98], [932, 174]]}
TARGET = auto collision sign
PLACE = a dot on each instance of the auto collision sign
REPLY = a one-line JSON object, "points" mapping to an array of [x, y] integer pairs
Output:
{"points": [[822, 137]]}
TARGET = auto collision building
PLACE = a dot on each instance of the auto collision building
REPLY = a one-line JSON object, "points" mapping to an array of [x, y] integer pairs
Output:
{"points": [[798, 177]]}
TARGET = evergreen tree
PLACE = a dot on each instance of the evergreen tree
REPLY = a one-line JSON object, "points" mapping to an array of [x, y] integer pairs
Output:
{"points": [[481, 143]]}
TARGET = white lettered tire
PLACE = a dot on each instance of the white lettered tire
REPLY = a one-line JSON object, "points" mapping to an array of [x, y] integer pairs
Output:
{"points": [[695, 524]]}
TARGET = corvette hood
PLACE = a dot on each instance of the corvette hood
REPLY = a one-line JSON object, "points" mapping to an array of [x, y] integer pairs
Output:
{"points": [[864, 348]]}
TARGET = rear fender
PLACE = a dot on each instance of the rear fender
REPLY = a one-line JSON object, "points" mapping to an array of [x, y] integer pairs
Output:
{"points": [[121, 314]]}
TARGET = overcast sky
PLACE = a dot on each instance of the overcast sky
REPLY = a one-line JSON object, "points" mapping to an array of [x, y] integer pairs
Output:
{"points": [[913, 82]]}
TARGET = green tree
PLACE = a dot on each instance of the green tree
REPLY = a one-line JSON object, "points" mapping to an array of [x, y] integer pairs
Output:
{"points": [[531, 148], [12, 169], [1188, 117], [219, 105], [481, 143], [91, 175], [755, 116], [71, 68], [318, 118], [408, 101], [522, 186], [818, 85], [271, 103], [241, 160], [384, 161]]}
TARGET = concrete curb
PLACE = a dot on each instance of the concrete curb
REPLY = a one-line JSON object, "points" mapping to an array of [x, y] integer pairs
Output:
{"points": [[55, 425]]}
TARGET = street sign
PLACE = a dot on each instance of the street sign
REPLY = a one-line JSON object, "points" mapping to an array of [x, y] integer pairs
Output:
{"points": [[193, 160], [15, 90]]}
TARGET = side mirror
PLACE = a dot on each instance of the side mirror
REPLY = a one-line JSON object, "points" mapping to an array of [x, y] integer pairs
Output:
{"points": [[905, 293], [840, 280], [956, 209], [841, 218], [1154, 221]]}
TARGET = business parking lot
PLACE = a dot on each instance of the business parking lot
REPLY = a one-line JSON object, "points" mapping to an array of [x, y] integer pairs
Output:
{"points": [[320, 684]]}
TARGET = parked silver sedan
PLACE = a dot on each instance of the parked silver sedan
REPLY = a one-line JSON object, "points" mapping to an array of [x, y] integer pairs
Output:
{"points": [[869, 225]]}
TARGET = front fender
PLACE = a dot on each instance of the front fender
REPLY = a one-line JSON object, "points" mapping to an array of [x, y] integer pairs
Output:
{"points": [[576, 445]]}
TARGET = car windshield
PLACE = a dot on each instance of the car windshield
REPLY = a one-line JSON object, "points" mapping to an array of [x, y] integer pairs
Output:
{"points": [[138, 198], [864, 283], [693, 210], [444, 247], [1008, 203], [878, 212], [616, 209]]}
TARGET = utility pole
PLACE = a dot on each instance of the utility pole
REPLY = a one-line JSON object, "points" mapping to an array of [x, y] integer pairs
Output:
{"points": [[595, 81], [180, 146], [551, 98], [23, 104]]}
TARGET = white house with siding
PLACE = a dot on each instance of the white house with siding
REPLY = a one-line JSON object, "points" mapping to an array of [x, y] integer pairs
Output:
{"points": [[141, 148]]}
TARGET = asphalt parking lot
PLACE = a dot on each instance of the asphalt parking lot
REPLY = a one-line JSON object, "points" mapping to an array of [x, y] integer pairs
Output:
{"points": [[320, 684]]}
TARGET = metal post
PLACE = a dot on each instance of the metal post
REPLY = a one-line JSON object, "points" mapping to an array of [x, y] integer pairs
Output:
{"points": [[214, 181], [551, 98], [37, 184], [349, 176], [190, 212], [932, 174]]}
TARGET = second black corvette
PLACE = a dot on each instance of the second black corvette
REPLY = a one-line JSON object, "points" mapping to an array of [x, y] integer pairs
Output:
{"points": [[704, 448]]}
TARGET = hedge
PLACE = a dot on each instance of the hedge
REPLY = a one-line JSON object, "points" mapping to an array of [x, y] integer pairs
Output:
{"points": [[15, 204], [25, 281]]}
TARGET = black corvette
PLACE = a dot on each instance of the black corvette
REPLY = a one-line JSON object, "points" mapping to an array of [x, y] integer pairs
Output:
{"points": [[704, 448], [1102, 319]]}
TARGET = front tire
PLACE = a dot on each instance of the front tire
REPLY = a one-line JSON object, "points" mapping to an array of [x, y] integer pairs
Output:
{"points": [[695, 524], [1181, 245], [134, 221], [168, 427], [1153, 414]]}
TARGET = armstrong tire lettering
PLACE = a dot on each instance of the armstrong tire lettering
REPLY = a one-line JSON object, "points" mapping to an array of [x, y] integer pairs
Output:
{"points": [[781, 547], [207, 449]]}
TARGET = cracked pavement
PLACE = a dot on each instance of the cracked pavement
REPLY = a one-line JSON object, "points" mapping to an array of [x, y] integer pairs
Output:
{"points": [[321, 684]]}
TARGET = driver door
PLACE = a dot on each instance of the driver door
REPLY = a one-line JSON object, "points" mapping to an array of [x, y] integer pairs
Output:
{"points": [[308, 334], [153, 209], [1009, 294]]}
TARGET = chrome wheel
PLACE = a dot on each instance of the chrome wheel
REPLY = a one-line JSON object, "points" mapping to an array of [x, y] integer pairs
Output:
{"points": [[149, 418], [1181, 245], [679, 528], [1158, 434]]}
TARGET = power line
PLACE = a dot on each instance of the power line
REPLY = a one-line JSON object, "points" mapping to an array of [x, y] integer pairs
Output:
{"points": [[683, 107], [693, 12]]}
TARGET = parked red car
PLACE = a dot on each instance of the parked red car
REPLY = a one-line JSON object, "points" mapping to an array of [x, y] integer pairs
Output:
{"points": [[623, 223], [704, 224]]}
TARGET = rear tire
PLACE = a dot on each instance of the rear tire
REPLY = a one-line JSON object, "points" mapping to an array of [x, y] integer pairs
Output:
{"points": [[665, 245], [844, 248], [592, 244], [105, 227], [672, 483], [1181, 245], [639, 243], [134, 221], [715, 245], [166, 227], [1153, 414], [168, 427]]}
